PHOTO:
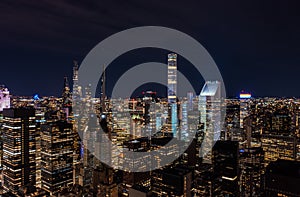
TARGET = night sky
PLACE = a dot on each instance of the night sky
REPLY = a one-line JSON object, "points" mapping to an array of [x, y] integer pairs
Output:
{"points": [[256, 44]]}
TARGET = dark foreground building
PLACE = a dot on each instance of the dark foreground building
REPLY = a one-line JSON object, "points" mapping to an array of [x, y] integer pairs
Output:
{"points": [[283, 178], [225, 168]]}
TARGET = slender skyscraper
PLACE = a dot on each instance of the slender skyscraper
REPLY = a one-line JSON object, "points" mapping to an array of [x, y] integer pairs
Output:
{"points": [[76, 92], [103, 90], [172, 77], [67, 99], [190, 97], [244, 107], [76, 96], [172, 92], [184, 120]]}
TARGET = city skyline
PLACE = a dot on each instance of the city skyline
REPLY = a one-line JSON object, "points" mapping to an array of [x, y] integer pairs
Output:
{"points": [[149, 99], [149, 146]]}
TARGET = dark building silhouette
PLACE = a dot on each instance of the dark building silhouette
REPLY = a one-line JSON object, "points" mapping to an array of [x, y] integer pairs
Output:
{"points": [[172, 181], [225, 168], [282, 178]]}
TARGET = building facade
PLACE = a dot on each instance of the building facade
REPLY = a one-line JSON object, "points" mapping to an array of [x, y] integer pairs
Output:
{"points": [[19, 149]]}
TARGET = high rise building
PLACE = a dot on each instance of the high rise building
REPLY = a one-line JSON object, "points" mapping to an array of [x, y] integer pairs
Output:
{"points": [[190, 97], [19, 150], [4, 98], [184, 130], [226, 168], [173, 119], [172, 92], [57, 156], [278, 136], [232, 121], [244, 107], [76, 100], [210, 116], [67, 99], [172, 77], [251, 166], [76, 88]]}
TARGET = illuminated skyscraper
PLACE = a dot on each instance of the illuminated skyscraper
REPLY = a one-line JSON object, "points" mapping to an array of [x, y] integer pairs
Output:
{"points": [[232, 121], [251, 166], [4, 98], [172, 92], [67, 99], [278, 139], [57, 156], [244, 107], [19, 149], [88, 127], [190, 97], [76, 88], [172, 77], [184, 120], [210, 116], [173, 118]]}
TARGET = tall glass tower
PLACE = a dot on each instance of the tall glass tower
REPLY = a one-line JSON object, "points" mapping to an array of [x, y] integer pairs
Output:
{"points": [[172, 90], [210, 115], [172, 77]]}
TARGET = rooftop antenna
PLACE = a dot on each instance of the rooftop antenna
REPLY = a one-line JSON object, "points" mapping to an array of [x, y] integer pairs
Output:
{"points": [[103, 94]]}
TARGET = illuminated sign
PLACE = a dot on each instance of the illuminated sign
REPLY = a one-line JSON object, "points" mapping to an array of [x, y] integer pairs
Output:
{"points": [[36, 97], [245, 95]]}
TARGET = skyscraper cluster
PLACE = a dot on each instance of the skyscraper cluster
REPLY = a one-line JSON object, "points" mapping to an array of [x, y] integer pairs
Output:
{"points": [[49, 148]]}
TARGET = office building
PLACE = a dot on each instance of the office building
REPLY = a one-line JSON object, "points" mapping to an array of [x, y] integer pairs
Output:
{"points": [[172, 92], [210, 116], [4, 98], [251, 167], [244, 106], [19, 149], [56, 156]]}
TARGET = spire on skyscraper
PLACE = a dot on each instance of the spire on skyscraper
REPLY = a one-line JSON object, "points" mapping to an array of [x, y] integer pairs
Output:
{"points": [[66, 93], [103, 94]]}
